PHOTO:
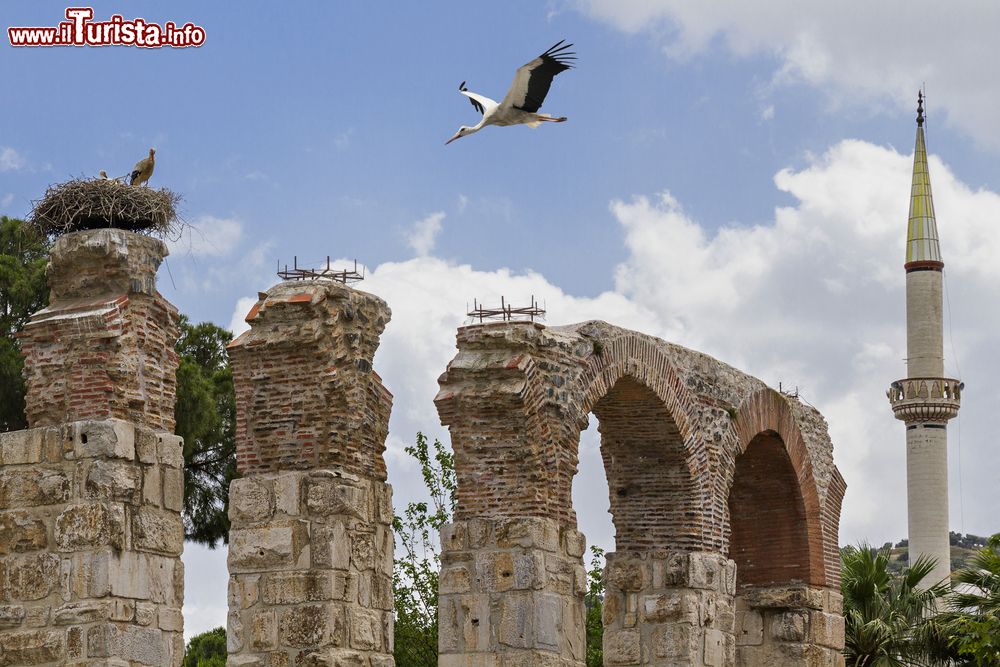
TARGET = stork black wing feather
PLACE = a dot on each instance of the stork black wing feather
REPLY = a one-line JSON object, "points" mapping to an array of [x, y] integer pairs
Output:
{"points": [[553, 61], [477, 106]]}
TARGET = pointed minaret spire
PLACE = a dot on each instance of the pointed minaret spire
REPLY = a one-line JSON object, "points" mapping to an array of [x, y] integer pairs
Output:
{"points": [[922, 248], [925, 400]]}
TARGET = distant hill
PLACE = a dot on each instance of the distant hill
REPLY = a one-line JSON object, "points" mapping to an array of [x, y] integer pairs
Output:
{"points": [[963, 547]]}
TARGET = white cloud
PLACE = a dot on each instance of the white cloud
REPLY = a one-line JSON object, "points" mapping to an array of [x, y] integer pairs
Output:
{"points": [[878, 52], [424, 234], [238, 323], [209, 236], [463, 201], [767, 113], [813, 299], [7, 200], [10, 159]]}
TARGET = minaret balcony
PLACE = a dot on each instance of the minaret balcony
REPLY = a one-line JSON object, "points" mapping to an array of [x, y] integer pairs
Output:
{"points": [[925, 399]]}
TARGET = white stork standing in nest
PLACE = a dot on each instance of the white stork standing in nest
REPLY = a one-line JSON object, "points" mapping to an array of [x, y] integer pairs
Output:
{"points": [[526, 94], [143, 169]]}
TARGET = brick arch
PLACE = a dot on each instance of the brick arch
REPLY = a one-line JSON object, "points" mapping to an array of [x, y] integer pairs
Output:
{"points": [[652, 455], [776, 531]]}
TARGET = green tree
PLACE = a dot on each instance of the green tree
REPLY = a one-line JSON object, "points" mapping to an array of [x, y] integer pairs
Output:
{"points": [[23, 256], [972, 626], [206, 419], [594, 602], [885, 614], [206, 650], [415, 576]]}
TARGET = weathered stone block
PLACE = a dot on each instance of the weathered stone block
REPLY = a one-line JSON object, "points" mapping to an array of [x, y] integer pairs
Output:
{"points": [[77, 613], [145, 577], [22, 447], [33, 486], [749, 628], [454, 537], [146, 443], [119, 481], [234, 633], [156, 530], [32, 577], [36, 616], [366, 630], [528, 532], [455, 579], [330, 545], [827, 629], [171, 619], [170, 450], [21, 532], [575, 543], [548, 620], [32, 648], [148, 646], [266, 548], [288, 493], [263, 631], [678, 643], [280, 588], [516, 618], [790, 626], [244, 590], [173, 488], [622, 647], [313, 625], [145, 613], [152, 485], [675, 606], [11, 616], [106, 439], [250, 500], [626, 574], [327, 495], [90, 525]]}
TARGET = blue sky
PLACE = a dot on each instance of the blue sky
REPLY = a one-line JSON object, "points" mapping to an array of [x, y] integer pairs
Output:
{"points": [[781, 131]]}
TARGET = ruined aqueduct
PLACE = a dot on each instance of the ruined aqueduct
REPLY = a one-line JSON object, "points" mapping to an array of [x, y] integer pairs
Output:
{"points": [[723, 492]]}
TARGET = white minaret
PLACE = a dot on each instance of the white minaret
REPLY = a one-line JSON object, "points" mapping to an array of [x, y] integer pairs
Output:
{"points": [[925, 400]]}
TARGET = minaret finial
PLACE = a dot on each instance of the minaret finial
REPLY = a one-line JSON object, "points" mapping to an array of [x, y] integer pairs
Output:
{"points": [[920, 108]]}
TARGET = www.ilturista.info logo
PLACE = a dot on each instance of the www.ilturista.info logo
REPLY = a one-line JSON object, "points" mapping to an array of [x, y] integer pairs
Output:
{"points": [[81, 30]]}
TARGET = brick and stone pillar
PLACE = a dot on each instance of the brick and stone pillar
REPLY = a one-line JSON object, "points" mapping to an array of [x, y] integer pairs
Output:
{"points": [[789, 625], [311, 546], [90, 495], [512, 580], [669, 608]]}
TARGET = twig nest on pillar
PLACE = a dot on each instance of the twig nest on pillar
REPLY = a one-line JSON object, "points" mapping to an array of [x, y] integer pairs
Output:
{"points": [[98, 203]]}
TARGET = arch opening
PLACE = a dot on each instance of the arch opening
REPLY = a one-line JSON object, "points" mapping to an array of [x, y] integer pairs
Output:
{"points": [[652, 494], [770, 539]]}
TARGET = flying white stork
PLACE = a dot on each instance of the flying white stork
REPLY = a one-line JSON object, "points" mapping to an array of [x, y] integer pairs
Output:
{"points": [[143, 169], [526, 94]]}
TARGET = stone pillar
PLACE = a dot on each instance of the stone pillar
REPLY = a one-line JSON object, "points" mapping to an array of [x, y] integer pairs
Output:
{"points": [[311, 546], [789, 625], [90, 496], [511, 588], [669, 608]]}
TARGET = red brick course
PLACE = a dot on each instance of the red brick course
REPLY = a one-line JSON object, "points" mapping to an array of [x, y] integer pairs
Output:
{"points": [[104, 347], [306, 394]]}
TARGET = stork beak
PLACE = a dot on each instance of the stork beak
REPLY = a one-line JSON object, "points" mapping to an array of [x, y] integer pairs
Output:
{"points": [[457, 135]]}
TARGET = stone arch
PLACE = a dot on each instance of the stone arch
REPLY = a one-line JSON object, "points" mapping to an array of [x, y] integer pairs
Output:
{"points": [[649, 445], [775, 514], [674, 424]]}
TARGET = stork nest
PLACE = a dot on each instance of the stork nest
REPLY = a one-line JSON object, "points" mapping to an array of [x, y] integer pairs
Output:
{"points": [[98, 203]]}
